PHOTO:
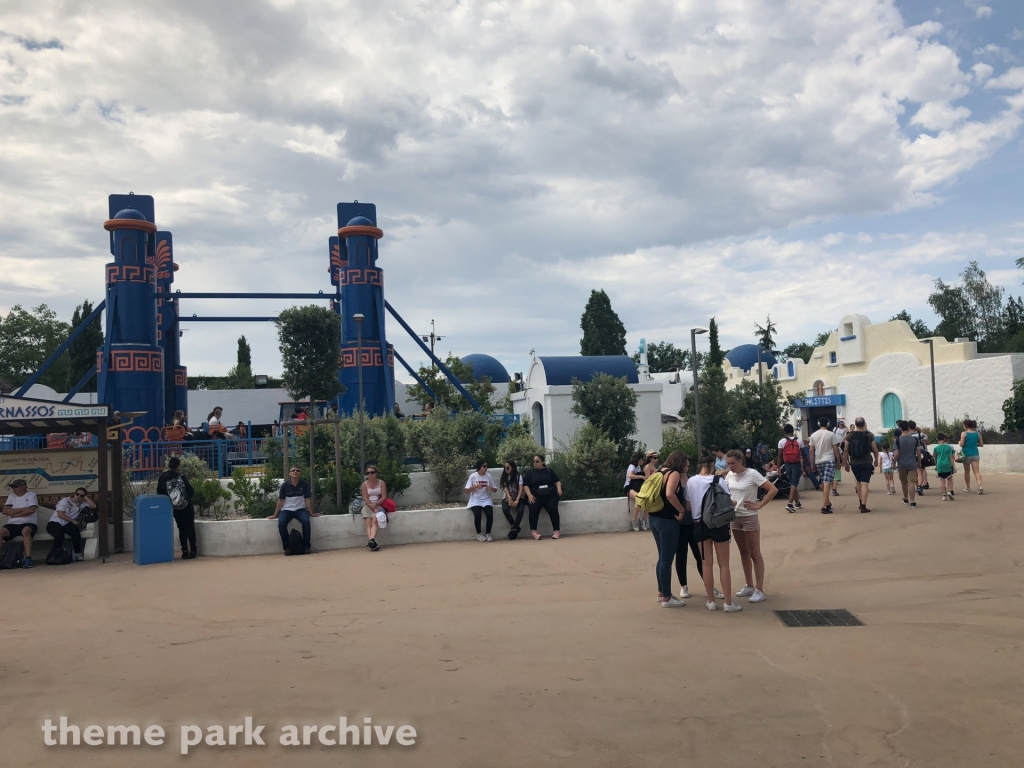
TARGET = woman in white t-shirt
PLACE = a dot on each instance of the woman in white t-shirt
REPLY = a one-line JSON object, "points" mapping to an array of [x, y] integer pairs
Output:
{"points": [[713, 541], [479, 487], [746, 527]]}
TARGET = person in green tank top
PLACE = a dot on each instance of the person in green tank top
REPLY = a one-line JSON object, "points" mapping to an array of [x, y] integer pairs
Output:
{"points": [[970, 441], [944, 466]]}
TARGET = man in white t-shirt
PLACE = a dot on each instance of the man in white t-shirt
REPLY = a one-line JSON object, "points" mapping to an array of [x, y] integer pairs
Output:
{"points": [[22, 519], [824, 456]]}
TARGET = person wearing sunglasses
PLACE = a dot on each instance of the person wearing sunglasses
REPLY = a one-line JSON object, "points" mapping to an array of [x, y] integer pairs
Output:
{"points": [[542, 491], [374, 491], [294, 502], [66, 520]]}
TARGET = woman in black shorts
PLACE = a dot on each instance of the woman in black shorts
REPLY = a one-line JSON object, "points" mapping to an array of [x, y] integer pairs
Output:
{"points": [[634, 482], [712, 540]]}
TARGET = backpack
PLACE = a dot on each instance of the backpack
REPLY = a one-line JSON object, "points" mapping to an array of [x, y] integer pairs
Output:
{"points": [[61, 555], [177, 492], [13, 557], [860, 444], [650, 498], [791, 453], [717, 509], [295, 545]]}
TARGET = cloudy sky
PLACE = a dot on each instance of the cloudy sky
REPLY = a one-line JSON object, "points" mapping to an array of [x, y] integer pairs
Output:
{"points": [[803, 158]]}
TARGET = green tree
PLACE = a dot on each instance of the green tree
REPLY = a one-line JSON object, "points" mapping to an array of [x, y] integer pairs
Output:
{"points": [[715, 354], [603, 331], [309, 339], [27, 339], [240, 375], [448, 396], [798, 349], [609, 404], [244, 355], [1013, 409], [761, 411], [765, 335], [664, 356], [919, 327], [82, 352], [592, 460]]}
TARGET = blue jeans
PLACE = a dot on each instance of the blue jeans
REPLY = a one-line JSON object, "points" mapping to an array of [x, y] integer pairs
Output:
{"points": [[666, 536], [286, 516]]}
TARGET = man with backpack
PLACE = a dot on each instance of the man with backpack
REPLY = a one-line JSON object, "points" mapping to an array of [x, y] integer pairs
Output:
{"points": [[178, 489], [791, 459], [860, 453]]}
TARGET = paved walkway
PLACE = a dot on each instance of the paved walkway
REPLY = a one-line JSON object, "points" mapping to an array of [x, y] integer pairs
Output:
{"points": [[548, 653]]}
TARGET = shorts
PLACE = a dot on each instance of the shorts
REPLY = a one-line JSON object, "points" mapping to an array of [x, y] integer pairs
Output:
{"points": [[862, 472], [746, 523], [367, 512], [908, 475], [826, 471], [945, 475], [971, 459], [793, 473], [719, 535], [17, 529], [888, 471]]}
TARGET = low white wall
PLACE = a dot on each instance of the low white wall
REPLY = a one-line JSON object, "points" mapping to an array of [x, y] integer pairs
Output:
{"points": [[226, 538], [1000, 459]]}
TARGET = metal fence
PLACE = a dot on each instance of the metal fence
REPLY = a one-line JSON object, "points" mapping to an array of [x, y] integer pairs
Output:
{"points": [[221, 456]]}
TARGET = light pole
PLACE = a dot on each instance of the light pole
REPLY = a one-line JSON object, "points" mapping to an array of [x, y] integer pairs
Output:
{"points": [[935, 406], [696, 389], [432, 338], [359, 367]]}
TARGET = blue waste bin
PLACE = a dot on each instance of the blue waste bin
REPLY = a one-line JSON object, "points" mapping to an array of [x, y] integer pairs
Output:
{"points": [[153, 529]]}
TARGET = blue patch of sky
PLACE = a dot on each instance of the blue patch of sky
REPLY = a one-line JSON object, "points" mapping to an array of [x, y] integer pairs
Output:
{"points": [[36, 45]]}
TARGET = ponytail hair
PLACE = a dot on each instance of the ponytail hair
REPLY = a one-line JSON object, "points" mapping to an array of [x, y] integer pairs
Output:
{"points": [[706, 458]]}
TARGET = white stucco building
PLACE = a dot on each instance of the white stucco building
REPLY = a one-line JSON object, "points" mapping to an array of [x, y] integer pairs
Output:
{"points": [[547, 398], [883, 373]]}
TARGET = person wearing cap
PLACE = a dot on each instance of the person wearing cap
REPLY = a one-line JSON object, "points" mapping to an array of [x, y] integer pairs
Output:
{"points": [[22, 519], [294, 502]]}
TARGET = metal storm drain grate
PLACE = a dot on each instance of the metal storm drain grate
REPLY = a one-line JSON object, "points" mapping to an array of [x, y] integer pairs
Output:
{"points": [[833, 617]]}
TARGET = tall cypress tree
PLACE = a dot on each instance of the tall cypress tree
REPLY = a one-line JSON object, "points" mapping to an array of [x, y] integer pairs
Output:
{"points": [[603, 331], [715, 354], [244, 353]]}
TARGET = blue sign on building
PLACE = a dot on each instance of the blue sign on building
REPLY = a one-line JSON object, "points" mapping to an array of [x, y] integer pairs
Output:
{"points": [[823, 401]]}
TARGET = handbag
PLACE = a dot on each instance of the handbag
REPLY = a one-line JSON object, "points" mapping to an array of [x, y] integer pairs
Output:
{"points": [[388, 505]]}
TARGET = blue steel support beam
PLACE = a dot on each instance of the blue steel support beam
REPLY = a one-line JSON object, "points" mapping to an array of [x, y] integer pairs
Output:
{"points": [[78, 387], [413, 373], [444, 368], [61, 349], [179, 295], [196, 319]]}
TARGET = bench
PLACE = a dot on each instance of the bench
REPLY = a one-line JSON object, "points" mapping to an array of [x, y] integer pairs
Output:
{"points": [[90, 537]]}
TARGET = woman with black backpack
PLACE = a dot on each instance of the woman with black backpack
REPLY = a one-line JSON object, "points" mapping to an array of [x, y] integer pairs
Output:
{"points": [[177, 488]]}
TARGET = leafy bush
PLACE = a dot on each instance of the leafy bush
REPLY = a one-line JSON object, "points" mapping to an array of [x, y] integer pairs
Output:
{"points": [[208, 490], [448, 475], [678, 439], [392, 473], [591, 462], [517, 447], [1013, 409], [254, 497]]}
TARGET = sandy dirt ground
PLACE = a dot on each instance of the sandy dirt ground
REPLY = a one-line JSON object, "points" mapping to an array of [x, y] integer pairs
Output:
{"points": [[549, 653]]}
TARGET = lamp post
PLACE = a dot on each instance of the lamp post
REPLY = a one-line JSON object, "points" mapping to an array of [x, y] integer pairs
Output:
{"points": [[359, 368], [935, 406], [696, 389]]}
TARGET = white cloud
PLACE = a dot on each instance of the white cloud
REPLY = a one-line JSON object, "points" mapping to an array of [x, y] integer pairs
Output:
{"points": [[498, 141], [983, 12]]}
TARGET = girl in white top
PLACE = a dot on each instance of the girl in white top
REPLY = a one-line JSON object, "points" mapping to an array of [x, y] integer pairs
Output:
{"points": [[373, 491], [479, 487], [634, 481], [886, 459], [713, 541], [746, 527]]}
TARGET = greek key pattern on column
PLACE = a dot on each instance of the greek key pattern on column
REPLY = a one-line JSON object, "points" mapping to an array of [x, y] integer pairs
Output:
{"points": [[131, 273], [371, 358], [361, 276], [137, 360], [180, 377]]}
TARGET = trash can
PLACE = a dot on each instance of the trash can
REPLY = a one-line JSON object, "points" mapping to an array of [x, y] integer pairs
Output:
{"points": [[153, 530]]}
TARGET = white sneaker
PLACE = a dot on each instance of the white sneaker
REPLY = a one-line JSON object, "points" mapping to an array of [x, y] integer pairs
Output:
{"points": [[636, 525], [672, 602], [747, 591], [718, 594], [757, 597], [645, 525], [480, 537], [684, 592], [487, 537], [77, 557], [733, 607], [711, 606]]}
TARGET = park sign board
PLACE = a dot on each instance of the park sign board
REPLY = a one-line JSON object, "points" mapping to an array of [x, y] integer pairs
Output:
{"points": [[821, 401], [51, 474], [22, 412]]}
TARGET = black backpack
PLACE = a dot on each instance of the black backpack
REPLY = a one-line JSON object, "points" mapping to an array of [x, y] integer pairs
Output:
{"points": [[61, 555], [860, 444], [717, 509], [295, 545], [13, 557]]}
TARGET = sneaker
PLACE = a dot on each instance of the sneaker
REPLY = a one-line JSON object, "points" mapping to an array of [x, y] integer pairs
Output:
{"points": [[926, 486], [835, 492], [920, 491], [684, 591], [193, 554], [636, 526], [864, 509], [77, 557], [747, 591], [950, 495], [374, 546], [757, 597], [536, 536], [981, 491], [672, 602], [711, 606], [790, 508], [944, 497], [646, 525], [28, 563], [487, 537], [732, 607], [913, 503], [905, 500], [798, 505], [826, 510], [718, 594], [480, 537]]}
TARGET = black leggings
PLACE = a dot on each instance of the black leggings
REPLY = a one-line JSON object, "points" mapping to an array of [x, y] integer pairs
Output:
{"points": [[550, 503], [186, 520], [58, 530], [687, 540], [489, 511], [506, 509]]}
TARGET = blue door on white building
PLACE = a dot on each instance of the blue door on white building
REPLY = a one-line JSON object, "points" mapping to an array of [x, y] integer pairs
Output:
{"points": [[892, 410]]}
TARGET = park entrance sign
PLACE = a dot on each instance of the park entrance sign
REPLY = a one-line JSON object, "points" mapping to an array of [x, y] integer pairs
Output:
{"points": [[17, 412]]}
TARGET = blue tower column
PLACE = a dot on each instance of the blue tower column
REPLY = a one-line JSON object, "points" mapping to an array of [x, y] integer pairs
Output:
{"points": [[361, 284], [168, 336], [131, 363]]}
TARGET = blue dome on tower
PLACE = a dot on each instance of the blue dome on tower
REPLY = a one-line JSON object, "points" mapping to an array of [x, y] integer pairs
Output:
{"points": [[745, 357], [485, 365]]}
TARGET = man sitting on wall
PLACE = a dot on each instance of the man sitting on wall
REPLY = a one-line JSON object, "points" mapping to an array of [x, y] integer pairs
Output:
{"points": [[294, 502], [22, 518]]}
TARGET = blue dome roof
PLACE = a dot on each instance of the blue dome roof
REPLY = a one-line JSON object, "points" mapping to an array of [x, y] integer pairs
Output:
{"points": [[485, 365], [560, 371], [129, 213], [360, 221], [745, 356]]}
